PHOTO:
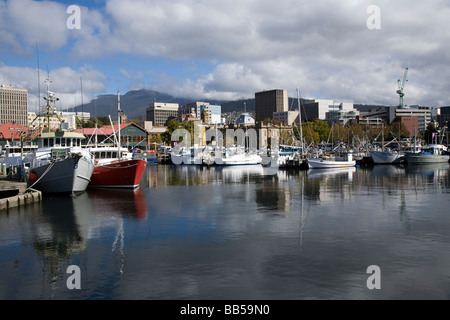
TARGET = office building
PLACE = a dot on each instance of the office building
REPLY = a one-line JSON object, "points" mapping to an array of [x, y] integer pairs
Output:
{"points": [[287, 118], [160, 113], [13, 105], [268, 102], [423, 115]]}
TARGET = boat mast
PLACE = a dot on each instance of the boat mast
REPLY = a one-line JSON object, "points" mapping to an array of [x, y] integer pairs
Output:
{"points": [[300, 119], [118, 122]]}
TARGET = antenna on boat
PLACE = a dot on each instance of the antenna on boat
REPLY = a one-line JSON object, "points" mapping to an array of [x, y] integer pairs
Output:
{"points": [[39, 79]]}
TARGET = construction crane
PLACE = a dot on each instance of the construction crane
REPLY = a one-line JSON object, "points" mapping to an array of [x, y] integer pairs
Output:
{"points": [[401, 86]]}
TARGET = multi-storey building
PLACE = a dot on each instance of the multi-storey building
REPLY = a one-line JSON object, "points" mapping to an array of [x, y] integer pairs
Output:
{"points": [[160, 113], [423, 115], [268, 102], [13, 105]]}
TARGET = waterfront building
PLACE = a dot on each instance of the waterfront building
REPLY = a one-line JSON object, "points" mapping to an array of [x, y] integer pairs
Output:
{"points": [[410, 123], [444, 116], [268, 102], [13, 105], [341, 116], [287, 118], [423, 114], [208, 113], [12, 134], [131, 135], [329, 111], [245, 120], [317, 109], [160, 113], [385, 113]]}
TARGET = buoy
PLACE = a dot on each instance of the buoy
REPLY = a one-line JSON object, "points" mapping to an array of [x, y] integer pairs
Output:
{"points": [[33, 176]]}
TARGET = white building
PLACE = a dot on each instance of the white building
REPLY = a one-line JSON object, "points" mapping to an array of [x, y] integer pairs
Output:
{"points": [[245, 119]]}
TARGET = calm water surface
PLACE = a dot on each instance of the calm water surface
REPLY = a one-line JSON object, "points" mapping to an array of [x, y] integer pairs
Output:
{"points": [[237, 233]]}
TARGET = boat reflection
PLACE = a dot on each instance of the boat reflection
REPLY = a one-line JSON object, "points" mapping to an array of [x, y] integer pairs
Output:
{"points": [[320, 173], [121, 202]]}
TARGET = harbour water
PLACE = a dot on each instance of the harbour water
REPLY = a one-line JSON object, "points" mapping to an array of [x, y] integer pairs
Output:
{"points": [[239, 233]]}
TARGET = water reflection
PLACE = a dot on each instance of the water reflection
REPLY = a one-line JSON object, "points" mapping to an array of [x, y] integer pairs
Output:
{"points": [[122, 202], [295, 234]]}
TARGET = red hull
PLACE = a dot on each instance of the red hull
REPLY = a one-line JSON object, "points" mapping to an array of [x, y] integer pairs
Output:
{"points": [[121, 174]]}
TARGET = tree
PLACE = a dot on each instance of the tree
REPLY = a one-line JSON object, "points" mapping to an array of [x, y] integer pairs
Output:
{"points": [[172, 125]]}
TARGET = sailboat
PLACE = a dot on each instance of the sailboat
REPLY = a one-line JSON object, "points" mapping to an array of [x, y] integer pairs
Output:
{"points": [[115, 166], [59, 164]]}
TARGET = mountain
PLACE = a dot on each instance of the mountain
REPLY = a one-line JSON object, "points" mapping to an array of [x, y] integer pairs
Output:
{"points": [[134, 104]]}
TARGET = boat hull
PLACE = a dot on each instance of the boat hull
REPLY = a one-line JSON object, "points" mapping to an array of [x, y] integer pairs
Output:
{"points": [[325, 164], [418, 158], [121, 174], [238, 160], [384, 157], [68, 176]]}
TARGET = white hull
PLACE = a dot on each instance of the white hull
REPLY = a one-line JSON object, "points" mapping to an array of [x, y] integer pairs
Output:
{"points": [[238, 160], [324, 164], [185, 159], [384, 157], [418, 158]]}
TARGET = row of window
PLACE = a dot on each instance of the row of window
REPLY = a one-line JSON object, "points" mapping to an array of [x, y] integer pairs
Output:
{"points": [[61, 142]]}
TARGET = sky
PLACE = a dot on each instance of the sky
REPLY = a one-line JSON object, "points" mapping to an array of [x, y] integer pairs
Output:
{"points": [[346, 51]]}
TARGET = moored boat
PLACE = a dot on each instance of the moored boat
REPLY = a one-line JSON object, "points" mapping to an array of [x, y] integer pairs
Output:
{"points": [[386, 157], [60, 164], [115, 166], [116, 171], [233, 156], [433, 153], [326, 162]]}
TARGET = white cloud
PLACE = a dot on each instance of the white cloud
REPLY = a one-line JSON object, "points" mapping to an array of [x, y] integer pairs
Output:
{"points": [[30, 22], [324, 47], [66, 83]]}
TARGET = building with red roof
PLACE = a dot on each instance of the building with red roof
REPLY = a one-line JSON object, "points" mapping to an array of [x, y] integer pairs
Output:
{"points": [[131, 135]]}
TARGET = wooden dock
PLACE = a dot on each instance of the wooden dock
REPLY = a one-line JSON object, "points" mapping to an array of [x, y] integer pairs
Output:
{"points": [[15, 194]]}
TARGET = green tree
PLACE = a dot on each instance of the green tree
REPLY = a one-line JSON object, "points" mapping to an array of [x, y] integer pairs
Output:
{"points": [[321, 128], [172, 125]]}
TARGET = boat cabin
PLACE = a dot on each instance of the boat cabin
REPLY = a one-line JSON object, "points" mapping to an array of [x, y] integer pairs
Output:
{"points": [[63, 139], [436, 149]]}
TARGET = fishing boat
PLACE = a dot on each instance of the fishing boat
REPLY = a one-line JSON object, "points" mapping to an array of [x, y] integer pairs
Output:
{"points": [[332, 161], [386, 156], [113, 169], [59, 164], [13, 155], [115, 166], [433, 153]]}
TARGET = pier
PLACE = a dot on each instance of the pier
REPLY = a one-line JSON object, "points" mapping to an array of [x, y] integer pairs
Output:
{"points": [[15, 194]]}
